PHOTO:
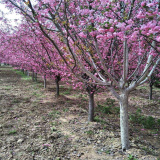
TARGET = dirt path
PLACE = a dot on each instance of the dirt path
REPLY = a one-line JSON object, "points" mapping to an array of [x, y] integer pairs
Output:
{"points": [[36, 126]]}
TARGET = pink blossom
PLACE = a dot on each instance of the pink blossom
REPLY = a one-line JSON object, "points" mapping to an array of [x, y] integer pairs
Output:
{"points": [[140, 15], [82, 35], [111, 29], [139, 53], [158, 39], [120, 25], [143, 4]]}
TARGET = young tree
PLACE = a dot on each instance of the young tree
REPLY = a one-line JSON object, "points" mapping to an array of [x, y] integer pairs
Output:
{"points": [[117, 39]]}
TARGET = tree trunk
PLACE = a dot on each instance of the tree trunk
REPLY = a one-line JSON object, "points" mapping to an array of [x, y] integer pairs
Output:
{"points": [[124, 121], [151, 86], [57, 79], [22, 70], [57, 88], [91, 107], [27, 73], [45, 81], [150, 94], [33, 76]]}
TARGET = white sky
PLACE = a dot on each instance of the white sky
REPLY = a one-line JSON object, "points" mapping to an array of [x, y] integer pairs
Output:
{"points": [[11, 16]]}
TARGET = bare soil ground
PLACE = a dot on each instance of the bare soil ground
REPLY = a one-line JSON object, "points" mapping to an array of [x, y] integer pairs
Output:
{"points": [[34, 125]]}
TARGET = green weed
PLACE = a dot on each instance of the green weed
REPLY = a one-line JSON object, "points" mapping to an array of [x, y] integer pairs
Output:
{"points": [[131, 157], [53, 129], [90, 132], [97, 119], [107, 107], [147, 122], [67, 92], [8, 87], [15, 101], [65, 110], [23, 76], [12, 132]]}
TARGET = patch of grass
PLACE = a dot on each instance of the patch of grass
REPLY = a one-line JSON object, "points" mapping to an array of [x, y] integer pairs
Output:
{"points": [[107, 151], [54, 114], [16, 101], [90, 132], [110, 101], [53, 129], [8, 87], [147, 122], [61, 87], [36, 94], [116, 110], [67, 92], [12, 132], [107, 107], [97, 119], [23, 76], [131, 157], [26, 78], [65, 110], [158, 122]]}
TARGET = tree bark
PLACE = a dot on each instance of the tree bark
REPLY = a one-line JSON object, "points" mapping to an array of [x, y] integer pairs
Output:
{"points": [[150, 94], [33, 76], [57, 79], [57, 88], [151, 87], [22, 70], [27, 73], [124, 121], [45, 85], [91, 107]]}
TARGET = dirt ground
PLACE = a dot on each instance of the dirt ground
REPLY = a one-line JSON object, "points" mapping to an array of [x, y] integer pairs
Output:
{"points": [[34, 125]]}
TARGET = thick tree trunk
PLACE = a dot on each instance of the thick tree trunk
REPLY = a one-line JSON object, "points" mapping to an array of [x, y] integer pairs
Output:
{"points": [[57, 88], [151, 86], [33, 76], [22, 70], [57, 79], [27, 73], [91, 107], [150, 93], [124, 121], [45, 85]]}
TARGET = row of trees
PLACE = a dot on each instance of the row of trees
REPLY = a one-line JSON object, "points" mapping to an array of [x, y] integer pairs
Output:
{"points": [[96, 43]]}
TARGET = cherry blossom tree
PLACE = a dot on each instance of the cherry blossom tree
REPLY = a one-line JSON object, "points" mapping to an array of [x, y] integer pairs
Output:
{"points": [[115, 43]]}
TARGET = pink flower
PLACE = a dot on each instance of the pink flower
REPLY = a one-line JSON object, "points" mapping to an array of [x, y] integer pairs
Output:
{"points": [[140, 15], [139, 53], [111, 29], [100, 36], [82, 35], [120, 25], [158, 39], [143, 4], [150, 4]]}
